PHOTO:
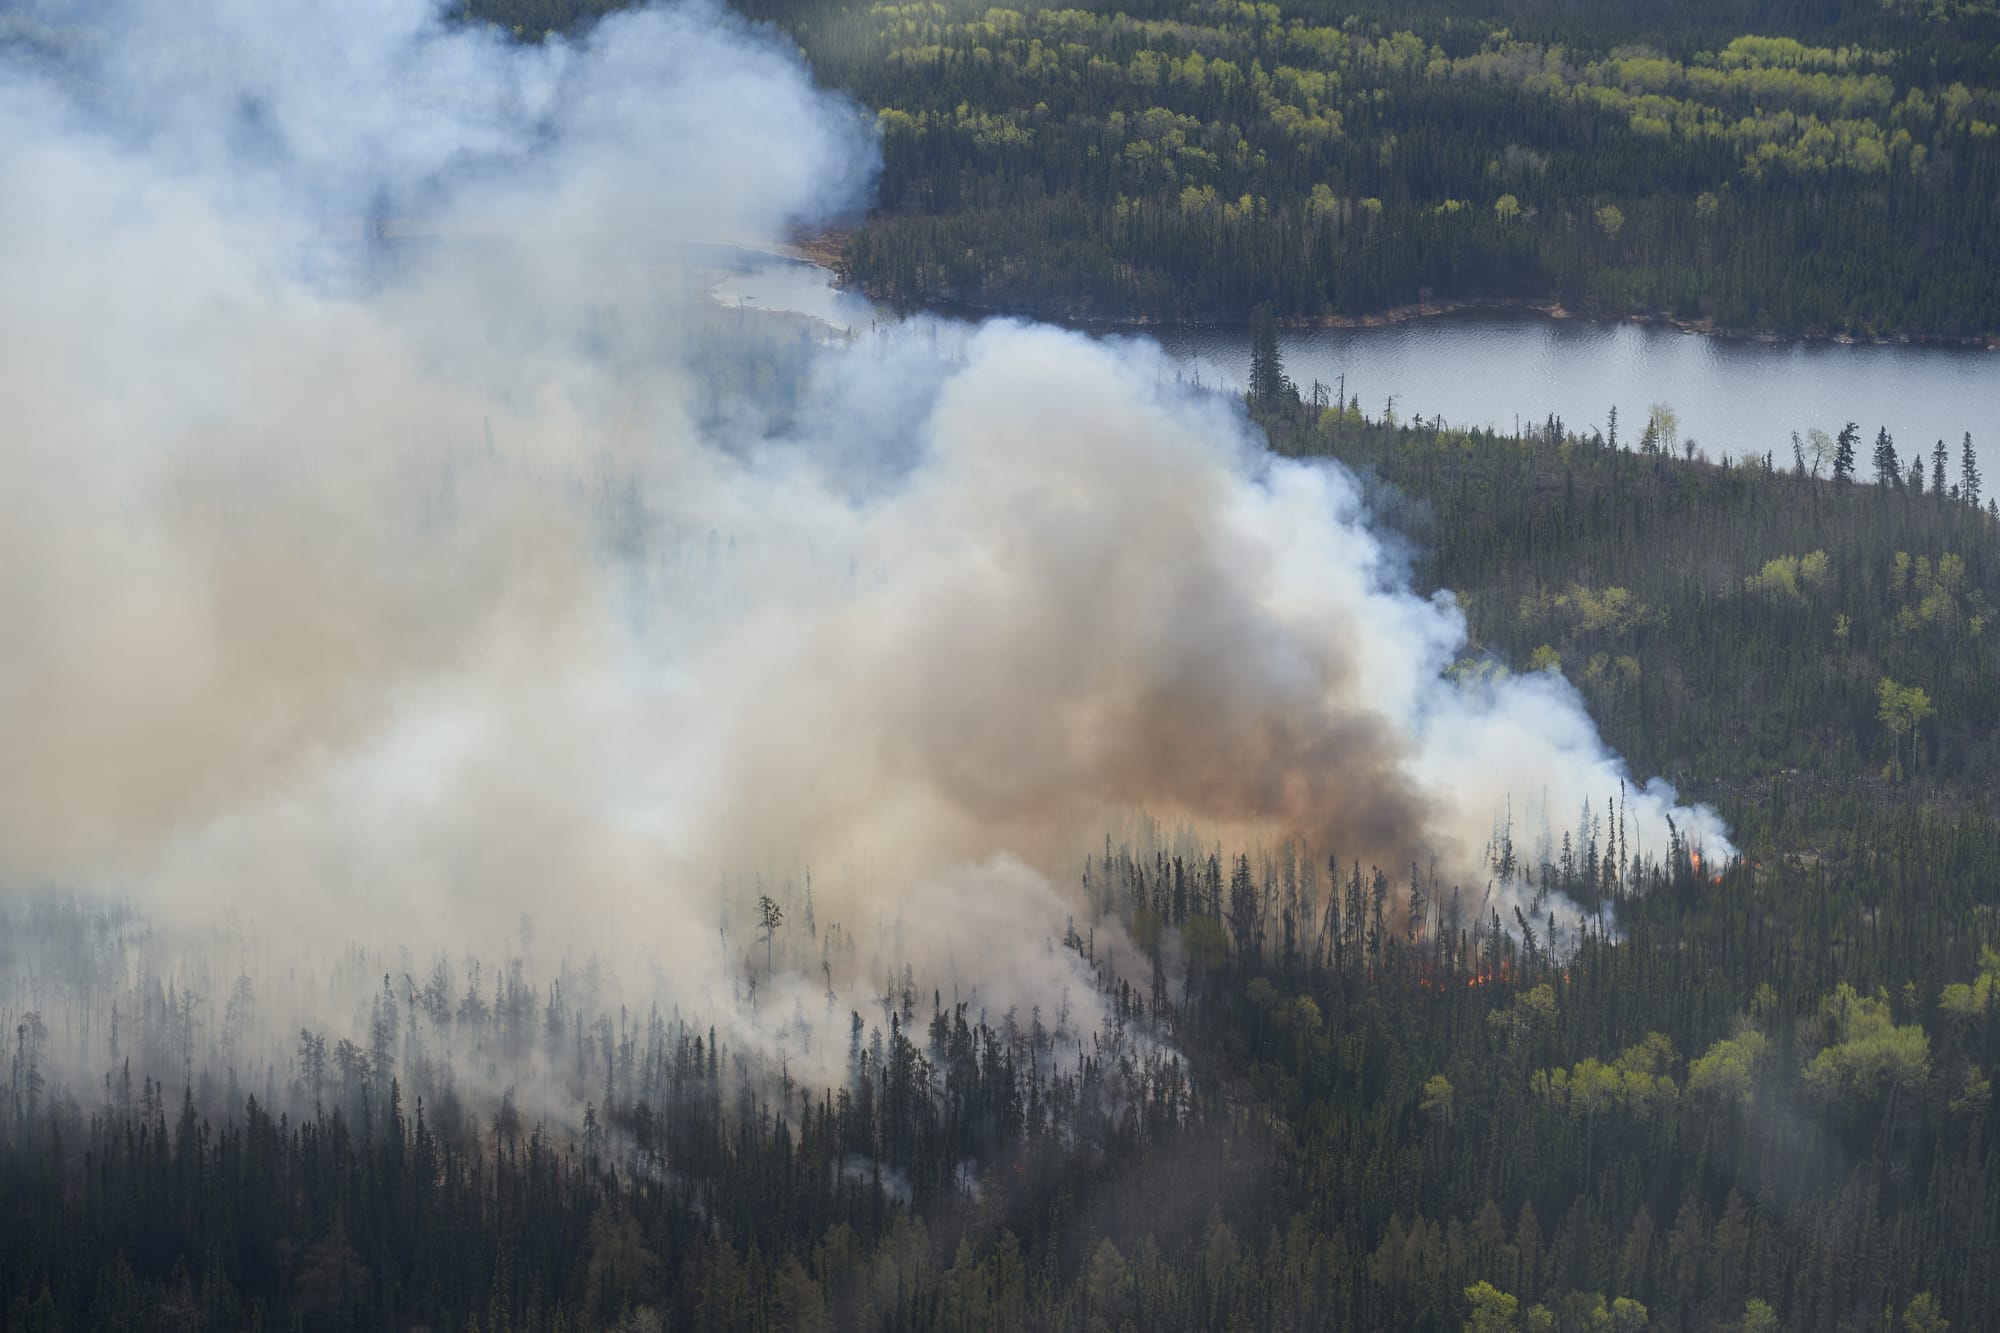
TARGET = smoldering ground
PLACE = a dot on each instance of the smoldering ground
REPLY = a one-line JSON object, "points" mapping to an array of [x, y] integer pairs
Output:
{"points": [[371, 566]]}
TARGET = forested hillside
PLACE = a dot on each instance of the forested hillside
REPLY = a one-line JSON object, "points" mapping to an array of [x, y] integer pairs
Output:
{"points": [[1328, 1095], [1756, 166], [539, 795]]}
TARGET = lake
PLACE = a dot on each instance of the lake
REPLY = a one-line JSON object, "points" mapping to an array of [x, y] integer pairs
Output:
{"points": [[1496, 368]]}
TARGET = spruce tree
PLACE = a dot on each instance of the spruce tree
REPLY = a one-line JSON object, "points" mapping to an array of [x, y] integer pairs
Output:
{"points": [[1268, 385], [1843, 458], [1888, 468]]}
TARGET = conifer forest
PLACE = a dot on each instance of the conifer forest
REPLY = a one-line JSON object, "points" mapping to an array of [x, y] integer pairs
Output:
{"points": [[538, 795]]}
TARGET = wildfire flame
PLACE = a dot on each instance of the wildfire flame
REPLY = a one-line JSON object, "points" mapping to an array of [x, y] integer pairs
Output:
{"points": [[1430, 981]]}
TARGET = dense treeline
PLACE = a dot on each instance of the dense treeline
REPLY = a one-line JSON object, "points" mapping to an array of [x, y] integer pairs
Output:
{"points": [[1609, 1087], [1772, 593], [1836, 174]]}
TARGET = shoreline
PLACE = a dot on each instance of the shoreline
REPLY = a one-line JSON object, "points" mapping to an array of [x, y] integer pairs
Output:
{"points": [[1439, 309], [824, 251], [1706, 328]]}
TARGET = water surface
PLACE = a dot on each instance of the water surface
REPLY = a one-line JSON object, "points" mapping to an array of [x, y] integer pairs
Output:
{"points": [[1740, 398], [1731, 396]]}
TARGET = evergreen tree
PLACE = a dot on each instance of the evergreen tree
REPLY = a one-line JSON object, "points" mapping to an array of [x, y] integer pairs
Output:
{"points": [[1888, 468], [1269, 388], [1843, 457]]}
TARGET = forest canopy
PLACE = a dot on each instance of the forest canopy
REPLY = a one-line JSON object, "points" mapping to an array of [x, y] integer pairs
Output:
{"points": [[1822, 171], [535, 798]]}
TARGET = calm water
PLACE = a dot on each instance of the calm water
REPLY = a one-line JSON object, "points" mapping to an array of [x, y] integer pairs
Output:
{"points": [[1497, 369]]}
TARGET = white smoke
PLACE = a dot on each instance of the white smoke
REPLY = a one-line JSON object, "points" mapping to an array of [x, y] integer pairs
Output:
{"points": [[374, 556]]}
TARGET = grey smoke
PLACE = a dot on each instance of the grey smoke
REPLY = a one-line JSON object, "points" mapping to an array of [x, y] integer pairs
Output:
{"points": [[338, 338]]}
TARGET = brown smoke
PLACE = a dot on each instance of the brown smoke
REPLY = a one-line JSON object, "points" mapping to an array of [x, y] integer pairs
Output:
{"points": [[403, 601]]}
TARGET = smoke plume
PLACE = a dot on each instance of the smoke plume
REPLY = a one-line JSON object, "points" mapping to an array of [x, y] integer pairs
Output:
{"points": [[380, 554]]}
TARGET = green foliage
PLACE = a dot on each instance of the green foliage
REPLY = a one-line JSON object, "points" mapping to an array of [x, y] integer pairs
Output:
{"points": [[1789, 576], [1493, 1310], [1627, 1315], [1604, 612], [1758, 1317], [1934, 600], [1901, 708], [1192, 158], [1530, 1012], [1921, 1315], [1868, 1056], [1437, 1099], [1970, 1000], [1636, 1082], [1727, 1073]]}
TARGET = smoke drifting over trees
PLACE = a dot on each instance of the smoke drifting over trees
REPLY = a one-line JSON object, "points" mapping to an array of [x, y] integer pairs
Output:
{"points": [[377, 564]]}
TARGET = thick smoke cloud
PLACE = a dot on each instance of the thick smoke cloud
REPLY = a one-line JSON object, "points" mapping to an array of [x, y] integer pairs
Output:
{"points": [[373, 557]]}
